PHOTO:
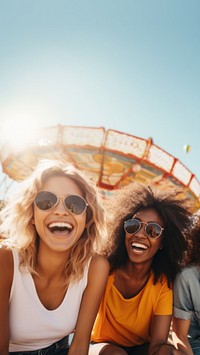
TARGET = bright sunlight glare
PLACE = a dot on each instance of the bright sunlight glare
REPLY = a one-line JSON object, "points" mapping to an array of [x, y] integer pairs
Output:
{"points": [[18, 133]]}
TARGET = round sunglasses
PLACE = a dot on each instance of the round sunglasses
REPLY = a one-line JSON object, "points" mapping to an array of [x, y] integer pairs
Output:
{"points": [[152, 229], [46, 200]]}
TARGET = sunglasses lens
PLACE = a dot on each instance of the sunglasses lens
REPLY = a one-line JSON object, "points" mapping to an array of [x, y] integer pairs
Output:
{"points": [[45, 200], [153, 230], [75, 204], [131, 226]]}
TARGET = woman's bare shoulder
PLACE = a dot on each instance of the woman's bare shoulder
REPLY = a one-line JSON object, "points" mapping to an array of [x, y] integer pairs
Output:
{"points": [[99, 260], [6, 260], [99, 264]]}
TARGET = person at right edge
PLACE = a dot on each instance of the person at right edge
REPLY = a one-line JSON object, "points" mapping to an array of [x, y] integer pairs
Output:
{"points": [[186, 319], [147, 241]]}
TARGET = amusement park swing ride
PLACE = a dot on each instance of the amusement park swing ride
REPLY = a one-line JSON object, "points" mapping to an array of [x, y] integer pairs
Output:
{"points": [[111, 157]]}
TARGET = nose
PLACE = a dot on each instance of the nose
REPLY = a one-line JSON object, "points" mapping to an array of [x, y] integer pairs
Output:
{"points": [[60, 208], [142, 229]]}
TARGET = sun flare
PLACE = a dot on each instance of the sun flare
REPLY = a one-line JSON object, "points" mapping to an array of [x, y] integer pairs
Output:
{"points": [[19, 133]]}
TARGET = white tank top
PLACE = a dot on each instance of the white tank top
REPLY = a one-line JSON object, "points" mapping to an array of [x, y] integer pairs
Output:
{"points": [[32, 326]]}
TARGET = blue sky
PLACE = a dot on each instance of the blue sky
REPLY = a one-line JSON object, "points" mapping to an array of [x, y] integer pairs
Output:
{"points": [[127, 65]]}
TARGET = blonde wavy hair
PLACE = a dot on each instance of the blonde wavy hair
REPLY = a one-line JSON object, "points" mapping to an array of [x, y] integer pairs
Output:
{"points": [[19, 233]]}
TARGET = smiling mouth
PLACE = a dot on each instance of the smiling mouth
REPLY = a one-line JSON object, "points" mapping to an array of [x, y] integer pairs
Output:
{"points": [[60, 227], [138, 247]]}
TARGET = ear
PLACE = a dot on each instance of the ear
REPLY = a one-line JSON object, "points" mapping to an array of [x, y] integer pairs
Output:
{"points": [[33, 221], [161, 246], [161, 243]]}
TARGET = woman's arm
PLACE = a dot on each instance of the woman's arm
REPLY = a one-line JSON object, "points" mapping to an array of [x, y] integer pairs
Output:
{"points": [[159, 336], [97, 278], [6, 275], [180, 335]]}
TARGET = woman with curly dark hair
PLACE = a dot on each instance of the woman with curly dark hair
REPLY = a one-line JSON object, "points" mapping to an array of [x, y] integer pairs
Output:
{"points": [[186, 320], [146, 245]]}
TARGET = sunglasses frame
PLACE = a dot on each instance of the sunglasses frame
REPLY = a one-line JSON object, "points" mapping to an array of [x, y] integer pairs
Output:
{"points": [[63, 201], [145, 228]]}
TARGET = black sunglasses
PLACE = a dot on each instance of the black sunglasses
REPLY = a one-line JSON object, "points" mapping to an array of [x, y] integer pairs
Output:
{"points": [[152, 229], [46, 200]]}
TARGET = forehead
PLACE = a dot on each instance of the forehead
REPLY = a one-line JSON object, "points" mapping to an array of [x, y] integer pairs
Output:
{"points": [[61, 185], [149, 215]]}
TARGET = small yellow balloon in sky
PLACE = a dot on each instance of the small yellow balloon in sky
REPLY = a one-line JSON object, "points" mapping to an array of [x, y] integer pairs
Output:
{"points": [[187, 148]]}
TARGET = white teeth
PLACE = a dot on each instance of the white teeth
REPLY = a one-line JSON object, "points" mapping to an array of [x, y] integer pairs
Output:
{"points": [[138, 245], [60, 225]]}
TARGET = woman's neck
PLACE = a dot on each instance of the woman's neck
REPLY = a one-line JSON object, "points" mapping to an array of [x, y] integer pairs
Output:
{"points": [[131, 279]]}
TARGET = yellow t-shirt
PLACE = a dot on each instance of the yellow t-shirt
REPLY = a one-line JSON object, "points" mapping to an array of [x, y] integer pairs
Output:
{"points": [[127, 322]]}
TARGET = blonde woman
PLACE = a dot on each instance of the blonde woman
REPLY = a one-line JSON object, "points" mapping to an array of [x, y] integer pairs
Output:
{"points": [[51, 276]]}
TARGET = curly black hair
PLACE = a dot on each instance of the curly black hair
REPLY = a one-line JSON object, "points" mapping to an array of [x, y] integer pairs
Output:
{"points": [[171, 205], [193, 254]]}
